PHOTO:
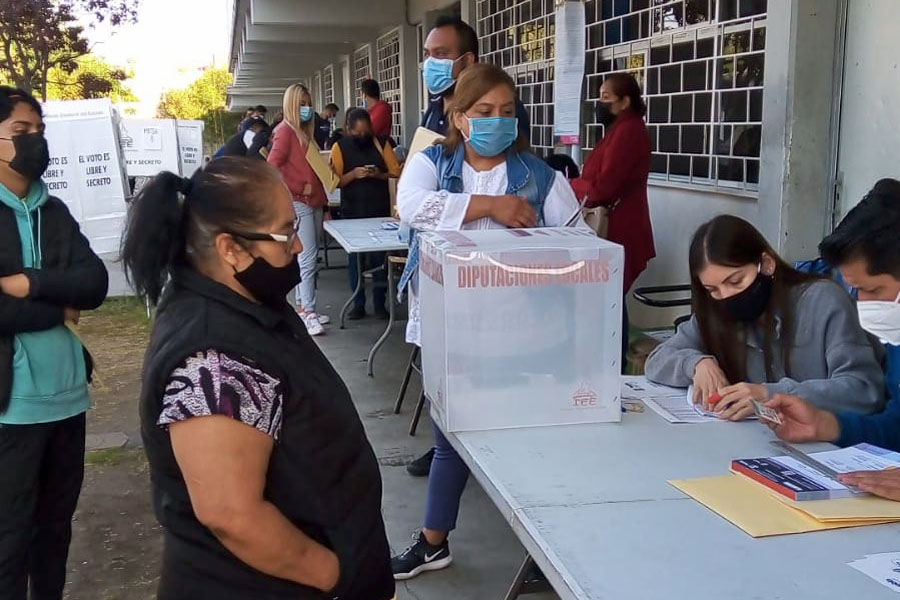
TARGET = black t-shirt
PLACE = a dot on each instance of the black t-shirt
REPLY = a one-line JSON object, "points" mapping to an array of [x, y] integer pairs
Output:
{"points": [[322, 131]]}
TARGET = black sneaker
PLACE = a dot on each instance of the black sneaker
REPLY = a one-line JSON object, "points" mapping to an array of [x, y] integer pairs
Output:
{"points": [[421, 557], [382, 314], [421, 467], [356, 313]]}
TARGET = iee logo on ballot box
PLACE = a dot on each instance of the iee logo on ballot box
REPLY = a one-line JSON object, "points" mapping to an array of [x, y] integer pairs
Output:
{"points": [[520, 328]]}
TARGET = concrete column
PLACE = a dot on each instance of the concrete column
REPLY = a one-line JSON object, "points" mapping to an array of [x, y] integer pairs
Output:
{"points": [[340, 92], [795, 194], [410, 82]]}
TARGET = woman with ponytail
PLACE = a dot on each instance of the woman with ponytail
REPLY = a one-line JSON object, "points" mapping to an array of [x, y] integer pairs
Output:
{"points": [[263, 478], [290, 142]]}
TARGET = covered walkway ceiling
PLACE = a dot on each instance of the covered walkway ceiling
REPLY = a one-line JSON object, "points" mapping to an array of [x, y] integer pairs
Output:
{"points": [[278, 42]]}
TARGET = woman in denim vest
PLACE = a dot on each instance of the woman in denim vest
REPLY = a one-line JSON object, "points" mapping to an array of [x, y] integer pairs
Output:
{"points": [[481, 177]]}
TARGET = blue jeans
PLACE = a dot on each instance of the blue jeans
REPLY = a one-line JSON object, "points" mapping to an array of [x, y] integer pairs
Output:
{"points": [[445, 485], [370, 260]]}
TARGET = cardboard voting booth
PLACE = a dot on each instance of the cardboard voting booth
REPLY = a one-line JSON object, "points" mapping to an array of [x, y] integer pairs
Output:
{"points": [[190, 146], [150, 146], [520, 327], [87, 169]]}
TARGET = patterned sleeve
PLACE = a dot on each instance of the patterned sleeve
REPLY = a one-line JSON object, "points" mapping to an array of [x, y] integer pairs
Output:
{"points": [[214, 383]]}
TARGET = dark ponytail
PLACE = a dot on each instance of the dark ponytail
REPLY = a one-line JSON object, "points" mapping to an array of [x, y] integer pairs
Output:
{"points": [[173, 221]]}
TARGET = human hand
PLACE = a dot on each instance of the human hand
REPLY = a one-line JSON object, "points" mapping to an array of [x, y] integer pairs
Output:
{"points": [[708, 380], [802, 422], [307, 190], [360, 173], [17, 286], [331, 574], [326, 216], [513, 211], [881, 483], [736, 401], [72, 315]]}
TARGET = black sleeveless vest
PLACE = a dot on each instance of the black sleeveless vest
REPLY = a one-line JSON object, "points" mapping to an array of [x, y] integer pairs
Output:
{"points": [[323, 474], [363, 198]]}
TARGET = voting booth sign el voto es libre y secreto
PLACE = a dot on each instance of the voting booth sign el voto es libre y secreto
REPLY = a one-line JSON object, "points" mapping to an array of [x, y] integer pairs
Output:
{"points": [[190, 146], [86, 168], [150, 146], [520, 327]]}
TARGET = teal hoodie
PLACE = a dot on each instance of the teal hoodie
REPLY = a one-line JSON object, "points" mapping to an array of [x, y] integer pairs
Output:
{"points": [[49, 377]]}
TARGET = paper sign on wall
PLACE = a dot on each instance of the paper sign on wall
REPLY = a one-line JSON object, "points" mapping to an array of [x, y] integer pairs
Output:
{"points": [[569, 71]]}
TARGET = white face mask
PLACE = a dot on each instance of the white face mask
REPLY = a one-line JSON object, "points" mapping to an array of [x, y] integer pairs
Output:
{"points": [[881, 319]]}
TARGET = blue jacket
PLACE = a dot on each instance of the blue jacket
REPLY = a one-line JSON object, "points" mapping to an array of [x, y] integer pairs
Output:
{"points": [[882, 429], [527, 175]]}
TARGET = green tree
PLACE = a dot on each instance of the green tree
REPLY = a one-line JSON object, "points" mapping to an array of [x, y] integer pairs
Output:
{"points": [[37, 36], [204, 100], [92, 78]]}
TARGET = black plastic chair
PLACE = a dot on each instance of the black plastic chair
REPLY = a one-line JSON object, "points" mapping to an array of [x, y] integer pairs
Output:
{"points": [[649, 296]]}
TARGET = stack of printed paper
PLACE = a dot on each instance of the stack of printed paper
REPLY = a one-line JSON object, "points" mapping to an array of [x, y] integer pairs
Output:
{"points": [[883, 568]]}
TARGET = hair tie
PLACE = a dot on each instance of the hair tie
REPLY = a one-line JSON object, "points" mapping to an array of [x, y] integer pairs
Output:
{"points": [[186, 186]]}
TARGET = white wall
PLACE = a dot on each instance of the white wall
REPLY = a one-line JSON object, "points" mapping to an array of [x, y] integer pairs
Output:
{"points": [[870, 116]]}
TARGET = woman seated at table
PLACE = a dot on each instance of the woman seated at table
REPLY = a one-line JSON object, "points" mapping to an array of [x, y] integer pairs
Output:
{"points": [[481, 177], [761, 327]]}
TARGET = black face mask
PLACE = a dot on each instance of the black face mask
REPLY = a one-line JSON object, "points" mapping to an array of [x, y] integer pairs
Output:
{"points": [[749, 305], [270, 285], [363, 141], [32, 155], [604, 113]]}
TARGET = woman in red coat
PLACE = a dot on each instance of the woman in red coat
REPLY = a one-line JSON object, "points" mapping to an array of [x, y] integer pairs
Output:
{"points": [[615, 174]]}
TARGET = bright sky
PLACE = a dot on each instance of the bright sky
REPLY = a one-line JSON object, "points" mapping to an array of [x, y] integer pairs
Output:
{"points": [[171, 42]]}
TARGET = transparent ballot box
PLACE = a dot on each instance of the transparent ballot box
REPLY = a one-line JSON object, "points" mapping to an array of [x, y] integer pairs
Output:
{"points": [[520, 327]]}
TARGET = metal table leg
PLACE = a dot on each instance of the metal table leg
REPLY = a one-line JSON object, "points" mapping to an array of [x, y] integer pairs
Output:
{"points": [[359, 285], [529, 580], [392, 310]]}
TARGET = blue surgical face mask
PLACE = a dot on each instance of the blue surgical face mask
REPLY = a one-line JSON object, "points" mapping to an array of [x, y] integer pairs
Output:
{"points": [[490, 136], [306, 113], [438, 74]]}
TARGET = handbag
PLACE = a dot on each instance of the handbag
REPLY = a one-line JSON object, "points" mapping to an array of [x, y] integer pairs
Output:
{"points": [[597, 218]]}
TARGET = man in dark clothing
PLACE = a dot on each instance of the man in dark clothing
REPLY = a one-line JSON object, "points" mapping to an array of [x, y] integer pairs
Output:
{"points": [[323, 124], [240, 143], [451, 46]]}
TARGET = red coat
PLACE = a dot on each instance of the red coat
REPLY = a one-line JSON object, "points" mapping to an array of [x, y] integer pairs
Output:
{"points": [[617, 171], [288, 155]]}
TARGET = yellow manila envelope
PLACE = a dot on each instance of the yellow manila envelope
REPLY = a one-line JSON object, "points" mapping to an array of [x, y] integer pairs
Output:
{"points": [[421, 140], [321, 167], [755, 510]]}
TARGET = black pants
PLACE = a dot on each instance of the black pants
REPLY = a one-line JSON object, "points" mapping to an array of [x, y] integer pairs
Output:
{"points": [[40, 480]]}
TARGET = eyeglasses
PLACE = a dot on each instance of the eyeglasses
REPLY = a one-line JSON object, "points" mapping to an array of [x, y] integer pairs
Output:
{"points": [[287, 240]]}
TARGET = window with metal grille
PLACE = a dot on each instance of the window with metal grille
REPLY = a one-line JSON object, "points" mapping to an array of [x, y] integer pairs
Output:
{"points": [[362, 70], [328, 84], [420, 43], [700, 64], [317, 95], [518, 36], [388, 57]]}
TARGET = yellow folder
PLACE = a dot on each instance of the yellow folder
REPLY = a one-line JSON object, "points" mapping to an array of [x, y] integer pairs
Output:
{"points": [[756, 510], [421, 140], [321, 168]]}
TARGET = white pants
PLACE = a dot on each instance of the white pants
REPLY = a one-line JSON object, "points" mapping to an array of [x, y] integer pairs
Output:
{"points": [[310, 226]]}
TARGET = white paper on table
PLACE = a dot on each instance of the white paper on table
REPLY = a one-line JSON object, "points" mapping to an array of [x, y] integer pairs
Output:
{"points": [[883, 568], [862, 457], [674, 410], [638, 387]]}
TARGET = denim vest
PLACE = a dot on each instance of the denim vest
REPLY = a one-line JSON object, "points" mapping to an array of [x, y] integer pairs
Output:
{"points": [[527, 176]]}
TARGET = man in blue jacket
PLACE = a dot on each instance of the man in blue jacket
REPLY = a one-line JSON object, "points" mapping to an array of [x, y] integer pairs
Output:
{"points": [[48, 274], [865, 248]]}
